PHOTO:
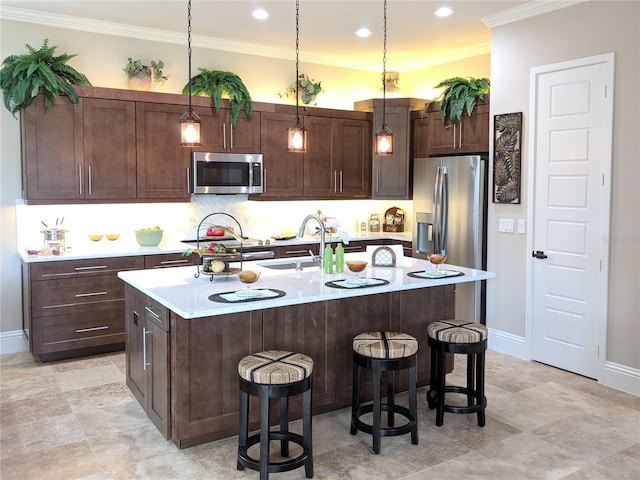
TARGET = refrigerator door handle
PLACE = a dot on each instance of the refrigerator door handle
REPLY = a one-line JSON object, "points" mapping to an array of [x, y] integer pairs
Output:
{"points": [[437, 211], [444, 217]]}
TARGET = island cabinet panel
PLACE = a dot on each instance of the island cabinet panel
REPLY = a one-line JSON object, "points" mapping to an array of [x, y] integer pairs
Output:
{"points": [[354, 316], [162, 164], [148, 356], [205, 353], [310, 329]]}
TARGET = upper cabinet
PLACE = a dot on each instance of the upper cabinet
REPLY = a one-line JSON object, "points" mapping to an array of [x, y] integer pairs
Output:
{"points": [[337, 161], [84, 152], [218, 136], [391, 177], [470, 135]]}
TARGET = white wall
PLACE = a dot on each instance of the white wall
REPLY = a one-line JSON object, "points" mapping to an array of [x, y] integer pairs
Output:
{"points": [[584, 30]]}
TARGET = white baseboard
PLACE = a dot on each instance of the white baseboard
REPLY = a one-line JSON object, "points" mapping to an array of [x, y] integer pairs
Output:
{"points": [[614, 375], [13, 342], [621, 377], [508, 344]]}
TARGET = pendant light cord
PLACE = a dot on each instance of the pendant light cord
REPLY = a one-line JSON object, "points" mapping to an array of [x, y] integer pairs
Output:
{"points": [[297, 56], [384, 68], [189, 48]]}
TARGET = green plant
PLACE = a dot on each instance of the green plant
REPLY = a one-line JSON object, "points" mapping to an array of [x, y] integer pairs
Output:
{"points": [[135, 68], [459, 96], [307, 87], [22, 77], [216, 84]]}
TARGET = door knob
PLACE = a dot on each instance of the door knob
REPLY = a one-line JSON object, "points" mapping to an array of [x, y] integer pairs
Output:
{"points": [[538, 254]]}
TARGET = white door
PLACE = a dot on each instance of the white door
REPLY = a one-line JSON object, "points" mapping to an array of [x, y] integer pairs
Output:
{"points": [[572, 137]]}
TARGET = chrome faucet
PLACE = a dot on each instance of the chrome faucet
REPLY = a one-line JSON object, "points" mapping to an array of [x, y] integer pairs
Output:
{"points": [[322, 232]]}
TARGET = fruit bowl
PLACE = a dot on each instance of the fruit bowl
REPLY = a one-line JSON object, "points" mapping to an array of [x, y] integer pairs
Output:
{"points": [[95, 237], [149, 238], [112, 236], [356, 265]]}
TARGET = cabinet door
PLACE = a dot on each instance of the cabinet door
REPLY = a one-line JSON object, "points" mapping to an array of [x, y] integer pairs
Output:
{"points": [[296, 250], [157, 357], [162, 164], [474, 133], [351, 157], [135, 354], [52, 150], [420, 136], [217, 136], [391, 173], [245, 138], [109, 149], [311, 330], [283, 170], [319, 171], [168, 260]]}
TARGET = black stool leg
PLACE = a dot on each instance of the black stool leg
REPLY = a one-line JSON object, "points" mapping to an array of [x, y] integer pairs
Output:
{"points": [[376, 409], [390, 397], [355, 400], [413, 407], [284, 425], [471, 378], [244, 426], [264, 432], [480, 388], [307, 444], [433, 382], [440, 388]]}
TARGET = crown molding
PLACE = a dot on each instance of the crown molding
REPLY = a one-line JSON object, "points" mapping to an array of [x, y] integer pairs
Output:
{"points": [[528, 10]]}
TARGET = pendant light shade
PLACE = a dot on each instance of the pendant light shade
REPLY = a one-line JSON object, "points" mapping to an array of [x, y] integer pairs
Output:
{"points": [[297, 135], [189, 121], [384, 136]]}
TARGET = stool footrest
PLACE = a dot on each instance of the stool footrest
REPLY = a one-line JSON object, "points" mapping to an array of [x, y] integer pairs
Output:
{"points": [[384, 431], [246, 460]]}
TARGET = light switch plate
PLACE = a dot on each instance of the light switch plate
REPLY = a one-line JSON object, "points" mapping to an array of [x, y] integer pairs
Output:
{"points": [[505, 225], [521, 226]]}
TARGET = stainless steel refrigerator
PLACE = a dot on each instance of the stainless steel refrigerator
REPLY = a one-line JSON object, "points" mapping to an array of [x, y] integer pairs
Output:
{"points": [[450, 205]]}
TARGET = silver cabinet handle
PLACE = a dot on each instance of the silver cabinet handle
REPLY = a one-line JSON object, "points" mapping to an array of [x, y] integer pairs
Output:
{"points": [[460, 136], [231, 137], [188, 182], [378, 181], [454, 136], [90, 183], [80, 180], [340, 181], [92, 329], [152, 313], [224, 136], [335, 181], [264, 180], [95, 267], [144, 349], [92, 294], [174, 262]]}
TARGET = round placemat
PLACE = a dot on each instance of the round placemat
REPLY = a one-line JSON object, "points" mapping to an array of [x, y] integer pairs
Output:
{"points": [[337, 284], [216, 297]]}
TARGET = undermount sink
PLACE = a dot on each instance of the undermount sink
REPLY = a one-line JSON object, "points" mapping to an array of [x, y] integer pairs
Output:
{"points": [[290, 263]]}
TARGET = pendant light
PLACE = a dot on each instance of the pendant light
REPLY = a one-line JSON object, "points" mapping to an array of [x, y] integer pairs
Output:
{"points": [[189, 121], [384, 137], [297, 135]]}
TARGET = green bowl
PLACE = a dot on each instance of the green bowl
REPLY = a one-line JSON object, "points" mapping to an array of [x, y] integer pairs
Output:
{"points": [[149, 238]]}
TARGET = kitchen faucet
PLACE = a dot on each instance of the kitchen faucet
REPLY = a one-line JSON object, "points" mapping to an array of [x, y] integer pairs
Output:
{"points": [[322, 232]]}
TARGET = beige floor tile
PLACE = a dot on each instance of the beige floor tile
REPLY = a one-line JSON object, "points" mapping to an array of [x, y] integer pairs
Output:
{"points": [[97, 397], [32, 409], [113, 420], [27, 380], [11, 359], [89, 377]]}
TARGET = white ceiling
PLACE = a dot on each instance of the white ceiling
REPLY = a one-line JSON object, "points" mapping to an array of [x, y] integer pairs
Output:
{"points": [[416, 38]]}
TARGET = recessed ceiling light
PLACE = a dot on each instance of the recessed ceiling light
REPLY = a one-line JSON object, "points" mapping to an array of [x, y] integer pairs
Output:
{"points": [[363, 33], [260, 14], [443, 12]]}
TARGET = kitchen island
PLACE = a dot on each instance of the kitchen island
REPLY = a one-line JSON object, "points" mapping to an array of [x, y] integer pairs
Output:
{"points": [[183, 347]]}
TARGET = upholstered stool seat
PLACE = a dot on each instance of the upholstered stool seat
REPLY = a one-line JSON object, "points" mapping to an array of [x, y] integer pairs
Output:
{"points": [[275, 374], [457, 336], [384, 352]]}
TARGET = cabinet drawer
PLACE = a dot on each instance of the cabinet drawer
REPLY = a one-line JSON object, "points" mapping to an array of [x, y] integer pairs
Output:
{"points": [[76, 295], [76, 268], [79, 330], [168, 260], [156, 313], [297, 250]]}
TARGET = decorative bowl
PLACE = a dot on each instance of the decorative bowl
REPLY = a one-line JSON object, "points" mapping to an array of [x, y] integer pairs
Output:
{"points": [[356, 265], [149, 238], [95, 237], [112, 236]]}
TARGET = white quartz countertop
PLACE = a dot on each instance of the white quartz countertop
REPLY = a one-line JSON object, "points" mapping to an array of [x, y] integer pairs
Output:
{"points": [[180, 291]]}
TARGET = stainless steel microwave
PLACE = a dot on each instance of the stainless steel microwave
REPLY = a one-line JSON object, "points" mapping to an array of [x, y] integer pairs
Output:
{"points": [[226, 173]]}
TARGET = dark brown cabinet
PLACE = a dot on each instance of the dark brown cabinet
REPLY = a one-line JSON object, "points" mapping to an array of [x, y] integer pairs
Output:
{"points": [[470, 135], [148, 359], [167, 260], [79, 153], [73, 306], [162, 164], [218, 136]]}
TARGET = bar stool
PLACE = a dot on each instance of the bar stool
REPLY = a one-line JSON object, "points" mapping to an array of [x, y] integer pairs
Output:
{"points": [[457, 336], [275, 374], [384, 352]]}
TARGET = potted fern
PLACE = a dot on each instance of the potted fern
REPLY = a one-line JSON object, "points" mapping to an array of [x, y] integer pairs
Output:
{"points": [[141, 75], [459, 96], [216, 84], [22, 77]]}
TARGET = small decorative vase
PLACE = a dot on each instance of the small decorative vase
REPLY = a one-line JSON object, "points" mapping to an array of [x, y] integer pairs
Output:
{"points": [[143, 83]]}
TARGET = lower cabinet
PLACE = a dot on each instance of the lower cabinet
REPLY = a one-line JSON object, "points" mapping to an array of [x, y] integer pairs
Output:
{"points": [[148, 357]]}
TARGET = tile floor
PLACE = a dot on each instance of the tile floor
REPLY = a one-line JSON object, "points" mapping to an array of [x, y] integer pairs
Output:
{"points": [[77, 420]]}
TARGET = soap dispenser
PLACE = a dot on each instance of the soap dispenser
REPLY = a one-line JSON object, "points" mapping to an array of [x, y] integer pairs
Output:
{"points": [[328, 259], [339, 258]]}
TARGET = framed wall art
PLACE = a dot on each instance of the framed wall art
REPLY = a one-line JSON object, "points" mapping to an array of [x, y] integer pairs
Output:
{"points": [[507, 133]]}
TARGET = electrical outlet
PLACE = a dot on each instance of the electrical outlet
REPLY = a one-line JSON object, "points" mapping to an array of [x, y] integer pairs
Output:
{"points": [[521, 228]]}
